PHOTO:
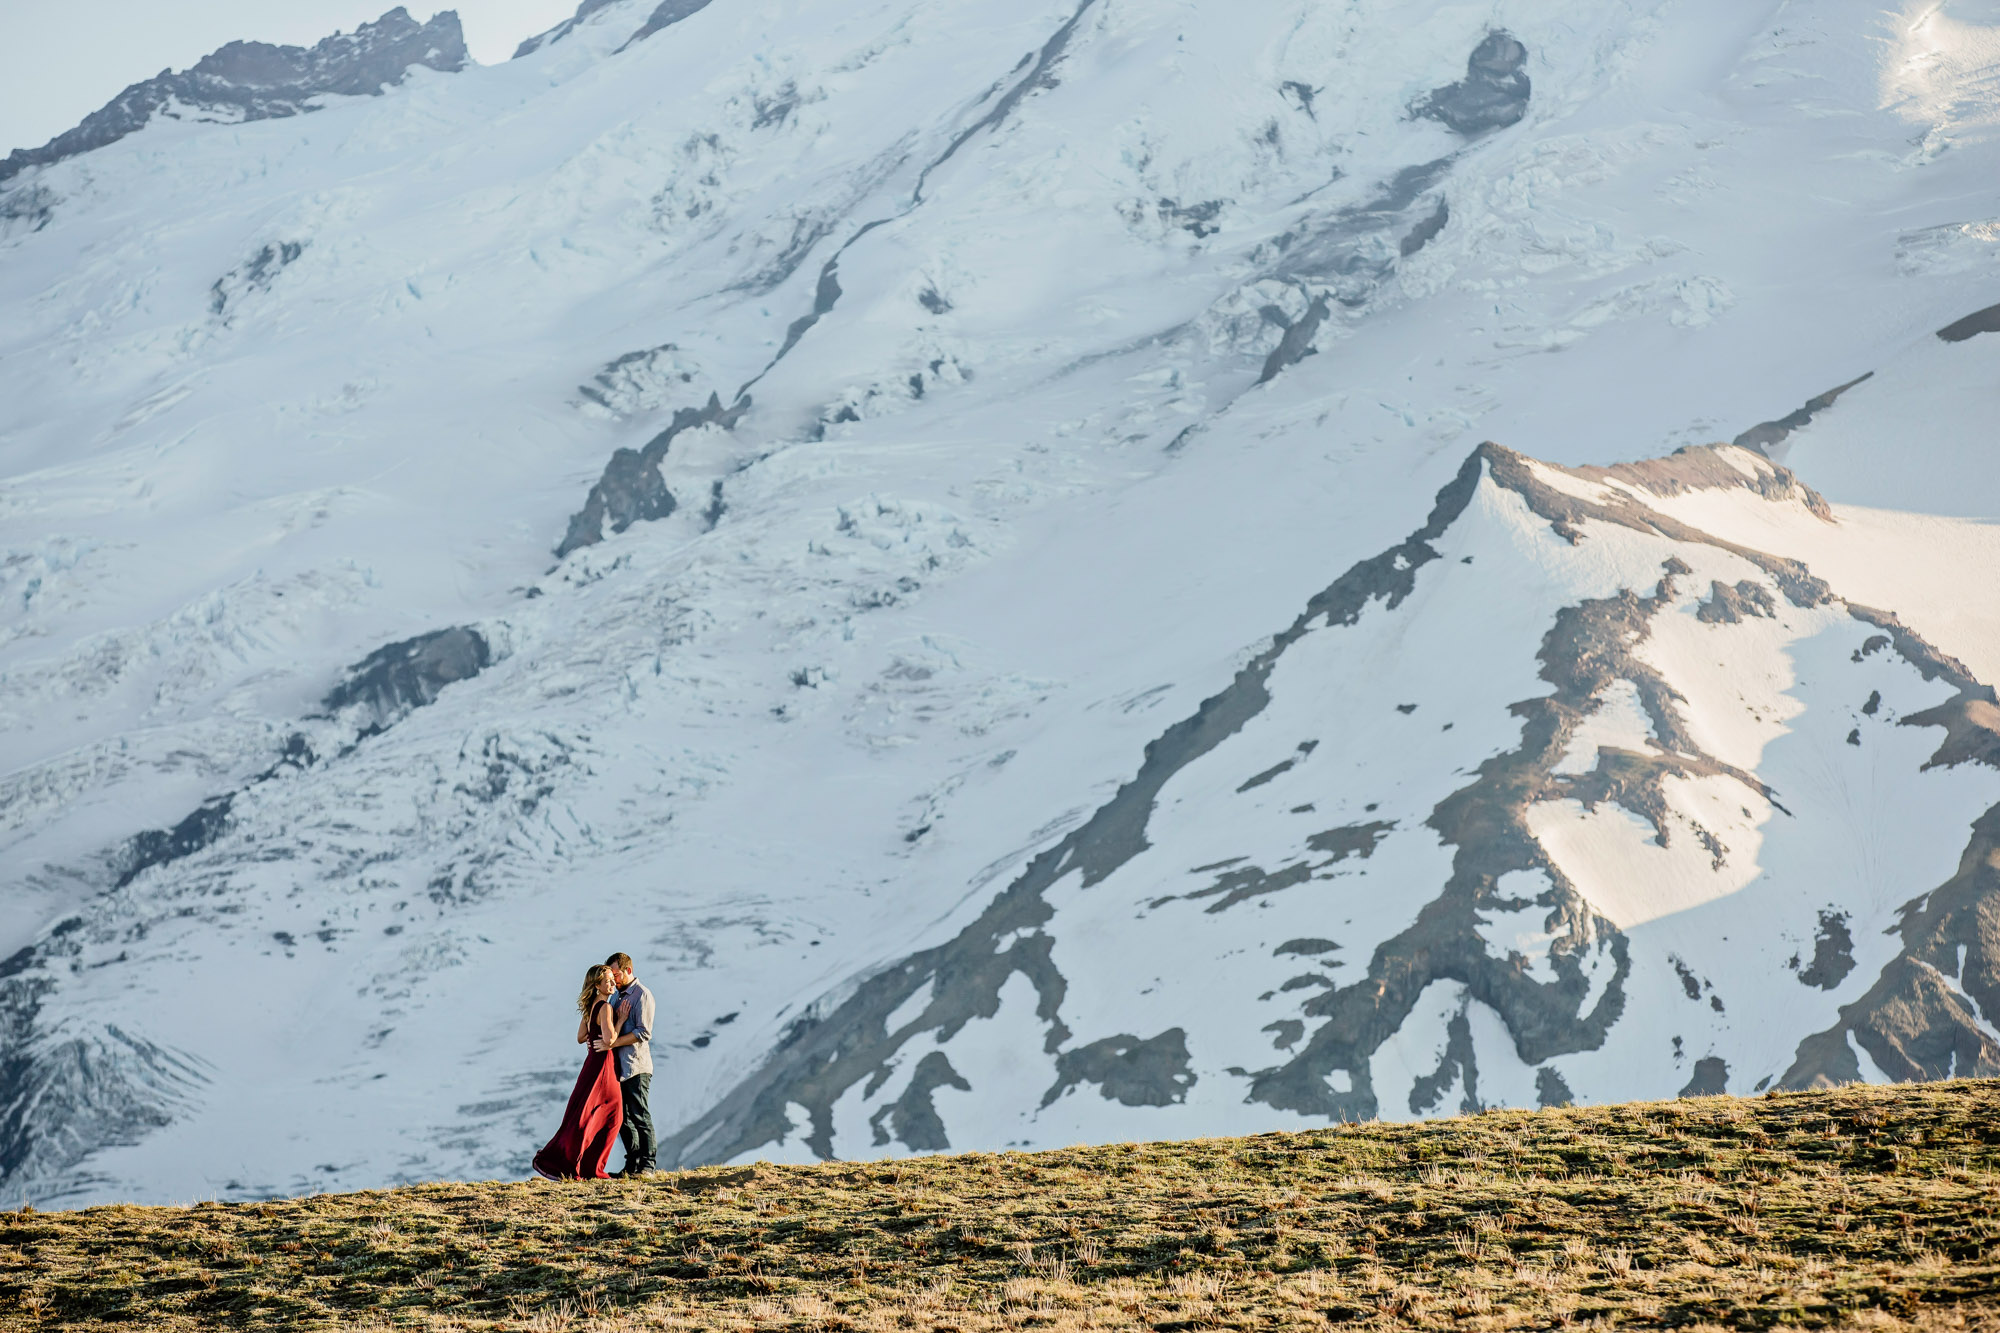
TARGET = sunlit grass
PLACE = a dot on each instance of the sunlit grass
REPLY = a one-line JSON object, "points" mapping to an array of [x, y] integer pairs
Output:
{"points": [[1864, 1207]]}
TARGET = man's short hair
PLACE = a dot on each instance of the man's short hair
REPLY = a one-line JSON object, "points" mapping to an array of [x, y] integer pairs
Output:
{"points": [[620, 961]]}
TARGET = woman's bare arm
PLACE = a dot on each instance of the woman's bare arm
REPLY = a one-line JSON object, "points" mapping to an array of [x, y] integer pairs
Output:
{"points": [[583, 1029]]}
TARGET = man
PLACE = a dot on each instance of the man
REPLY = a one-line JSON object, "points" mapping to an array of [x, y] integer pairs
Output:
{"points": [[632, 1006]]}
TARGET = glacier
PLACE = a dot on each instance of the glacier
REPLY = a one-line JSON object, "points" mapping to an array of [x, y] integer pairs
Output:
{"points": [[1057, 571]]}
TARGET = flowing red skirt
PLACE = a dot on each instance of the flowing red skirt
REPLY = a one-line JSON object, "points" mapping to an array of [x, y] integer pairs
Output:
{"points": [[589, 1127]]}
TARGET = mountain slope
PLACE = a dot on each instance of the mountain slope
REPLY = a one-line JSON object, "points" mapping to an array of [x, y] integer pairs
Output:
{"points": [[258, 81], [1862, 1206], [849, 502], [1619, 747]]}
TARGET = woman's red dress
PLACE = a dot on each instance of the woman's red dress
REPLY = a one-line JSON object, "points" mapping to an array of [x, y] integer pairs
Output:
{"points": [[590, 1126]]}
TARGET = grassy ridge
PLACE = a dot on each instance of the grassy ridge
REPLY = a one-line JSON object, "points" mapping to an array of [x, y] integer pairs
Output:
{"points": [[1864, 1206]]}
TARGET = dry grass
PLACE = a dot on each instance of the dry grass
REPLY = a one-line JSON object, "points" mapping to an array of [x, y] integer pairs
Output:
{"points": [[1870, 1208]]}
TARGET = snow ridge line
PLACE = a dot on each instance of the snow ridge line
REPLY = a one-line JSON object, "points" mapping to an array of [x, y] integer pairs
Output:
{"points": [[819, 1059], [236, 79], [847, 1041], [1910, 1022]]}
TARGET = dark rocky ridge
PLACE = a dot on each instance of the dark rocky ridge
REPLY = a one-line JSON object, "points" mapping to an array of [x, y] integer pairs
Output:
{"points": [[1704, 468], [1768, 435], [1974, 324], [257, 81], [157, 847], [1484, 823], [912, 1118], [669, 13], [1710, 1078], [845, 1039]]}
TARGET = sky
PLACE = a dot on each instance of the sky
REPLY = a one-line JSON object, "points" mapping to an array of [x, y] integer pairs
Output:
{"points": [[60, 60]]}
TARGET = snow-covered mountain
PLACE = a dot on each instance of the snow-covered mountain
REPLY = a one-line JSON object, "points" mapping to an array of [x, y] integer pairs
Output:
{"points": [[965, 537], [258, 81]]}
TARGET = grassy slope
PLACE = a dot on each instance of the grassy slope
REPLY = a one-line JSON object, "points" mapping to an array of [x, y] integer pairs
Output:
{"points": [[1863, 1206]]}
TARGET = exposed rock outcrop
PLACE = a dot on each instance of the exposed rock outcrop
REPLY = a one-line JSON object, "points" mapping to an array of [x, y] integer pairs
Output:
{"points": [[1930, 1013], [394, 680], [1768, 435], [257, 81], [1297, 343], [561, 30], [821, 1058], [1703, 467], [669, 13], [156, 847], [24, 208], [632, 489], [1425, 231], [1833, 952], [254, 274], [1352, 247], [1974, 324], [1492, 95], [1710, 1078], [912, 1118], [1728, 605], [1152, 1072], [1565, 1002]]}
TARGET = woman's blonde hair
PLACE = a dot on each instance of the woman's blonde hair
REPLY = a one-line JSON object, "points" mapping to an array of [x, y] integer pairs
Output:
{"points": [[588, 999]]}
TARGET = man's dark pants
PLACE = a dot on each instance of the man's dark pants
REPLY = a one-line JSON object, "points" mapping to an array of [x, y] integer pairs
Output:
{"points": [[637, 1132]]}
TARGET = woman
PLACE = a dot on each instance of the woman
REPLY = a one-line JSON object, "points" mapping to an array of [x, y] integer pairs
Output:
{"points": [[596, 1108]]}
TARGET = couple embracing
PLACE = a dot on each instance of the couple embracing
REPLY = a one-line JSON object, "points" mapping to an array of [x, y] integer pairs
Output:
{"points": [[609, 1101]]}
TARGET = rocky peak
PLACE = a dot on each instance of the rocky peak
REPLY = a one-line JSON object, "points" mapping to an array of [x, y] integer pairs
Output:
{"points": [[258, 81]]}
